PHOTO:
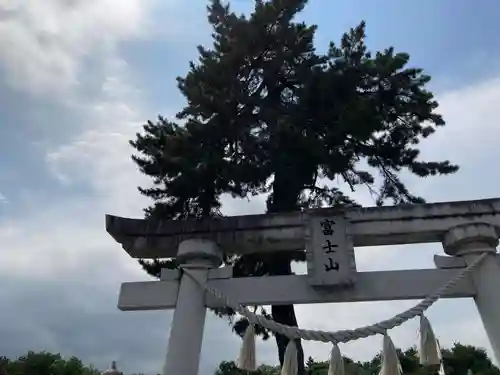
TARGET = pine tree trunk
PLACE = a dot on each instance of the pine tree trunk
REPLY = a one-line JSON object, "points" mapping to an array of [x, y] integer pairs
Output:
{"points": [[286, 315], [285, 194]]}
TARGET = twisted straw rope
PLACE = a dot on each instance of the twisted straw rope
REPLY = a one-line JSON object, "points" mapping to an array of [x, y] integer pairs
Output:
{"points": [[344, 335]]}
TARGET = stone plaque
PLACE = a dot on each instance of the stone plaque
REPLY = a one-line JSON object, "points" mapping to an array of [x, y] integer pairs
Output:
{"points": [[329, 250]]}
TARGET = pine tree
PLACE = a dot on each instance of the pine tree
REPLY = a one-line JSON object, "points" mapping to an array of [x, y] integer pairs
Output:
{"points": [[267, 114]]}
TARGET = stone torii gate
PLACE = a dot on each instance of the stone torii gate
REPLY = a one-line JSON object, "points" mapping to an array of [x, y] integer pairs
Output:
{"points": [[466, 229]]}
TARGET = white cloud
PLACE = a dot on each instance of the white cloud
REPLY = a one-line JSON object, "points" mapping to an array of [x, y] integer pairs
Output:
{"points": [[470, 113], [45, 44], [99, 157]]}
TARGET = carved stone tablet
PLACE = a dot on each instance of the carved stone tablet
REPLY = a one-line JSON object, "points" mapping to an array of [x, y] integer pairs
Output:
{"points": [[329, 250]]}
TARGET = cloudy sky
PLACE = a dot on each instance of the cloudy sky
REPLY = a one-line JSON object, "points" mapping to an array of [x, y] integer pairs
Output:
{"points": [[77, 80]]}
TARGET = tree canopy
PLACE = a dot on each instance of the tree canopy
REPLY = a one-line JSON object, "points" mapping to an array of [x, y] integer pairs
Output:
{"points": [[457, 360], [44, 363], [267, 113]]}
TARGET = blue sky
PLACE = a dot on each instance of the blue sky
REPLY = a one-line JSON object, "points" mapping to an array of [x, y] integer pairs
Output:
{"points": [[77, 80]]}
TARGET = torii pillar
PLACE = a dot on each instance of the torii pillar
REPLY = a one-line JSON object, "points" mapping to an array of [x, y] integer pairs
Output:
{"points": [[469, 241], [186, 334]]}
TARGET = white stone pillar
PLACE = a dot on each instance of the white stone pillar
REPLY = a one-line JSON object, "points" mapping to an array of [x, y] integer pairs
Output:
{"points": [[186, 334], [469, 241]]}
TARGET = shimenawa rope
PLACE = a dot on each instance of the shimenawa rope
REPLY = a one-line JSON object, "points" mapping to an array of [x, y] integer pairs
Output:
{"points": [[430, 353], [344, 335]]}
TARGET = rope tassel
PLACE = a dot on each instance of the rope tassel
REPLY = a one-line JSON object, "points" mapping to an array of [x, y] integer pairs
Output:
{"points": [[246, 360], [430, 354], [336, 366], [390, 360], [290, 366], [441, 370]]}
